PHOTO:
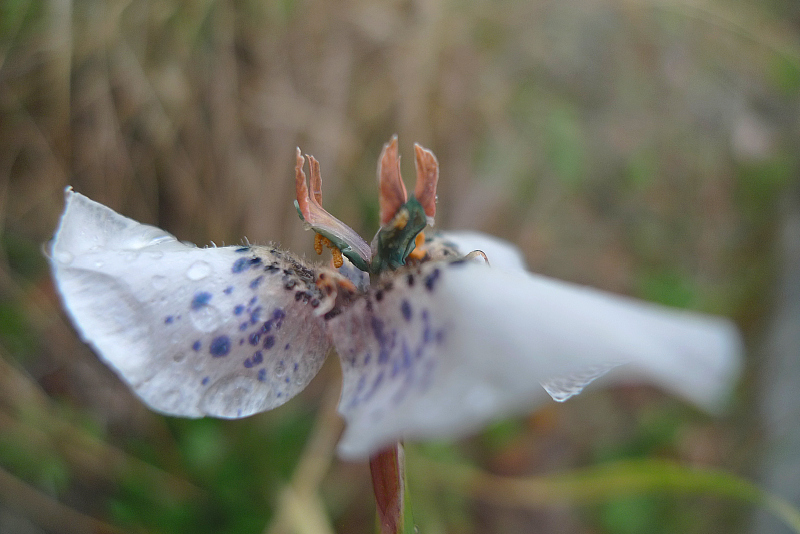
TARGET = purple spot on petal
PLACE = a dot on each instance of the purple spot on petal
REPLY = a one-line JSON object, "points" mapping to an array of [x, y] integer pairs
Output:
{"points": [[258, 357], [243, 327], [238, 309], [295, 367], [228, 290], [269, 342], [430, 280], [254, 338], [220, 346], [196, 345], [200, 299], [286, 347], [205, 381], [255, 282], [262, 376], [169, 319], [239, 265], [405, 307]]}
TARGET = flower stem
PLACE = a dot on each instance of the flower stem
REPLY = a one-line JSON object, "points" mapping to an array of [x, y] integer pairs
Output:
{"points": [[389, 484]]}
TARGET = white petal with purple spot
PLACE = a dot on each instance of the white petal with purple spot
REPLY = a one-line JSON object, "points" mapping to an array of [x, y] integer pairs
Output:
{"points": [[445, 349], [226, 332]]}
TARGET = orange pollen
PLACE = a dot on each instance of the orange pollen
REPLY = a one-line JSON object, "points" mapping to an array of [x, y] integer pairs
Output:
{"points": [[418, 253], [318, 242], [337, 257]]}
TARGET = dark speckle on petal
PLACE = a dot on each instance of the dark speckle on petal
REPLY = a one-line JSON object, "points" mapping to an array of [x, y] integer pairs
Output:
{"points": [[410, 280], [262, 375], [430, 280], [200, 299], [269, 342], [205, 381], [405, 307], [240, 265], [196, 345], [228, 290], [220, 346], [238, 309], [242, 249], [169, 319], [255, 282]]}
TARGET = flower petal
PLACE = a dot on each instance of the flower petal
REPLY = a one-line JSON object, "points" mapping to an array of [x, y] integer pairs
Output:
{"points": [[193, 331], [447, 348]]}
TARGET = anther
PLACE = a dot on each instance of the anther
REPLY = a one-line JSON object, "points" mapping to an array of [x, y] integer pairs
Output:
{"points": [[418, 253], [337, 257], [318, 241]]}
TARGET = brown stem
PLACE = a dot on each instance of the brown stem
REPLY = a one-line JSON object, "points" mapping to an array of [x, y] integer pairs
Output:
{"points": [[388, 481]]}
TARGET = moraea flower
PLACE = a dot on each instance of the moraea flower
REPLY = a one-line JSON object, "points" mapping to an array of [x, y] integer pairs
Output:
{"points": [[436, 335]]}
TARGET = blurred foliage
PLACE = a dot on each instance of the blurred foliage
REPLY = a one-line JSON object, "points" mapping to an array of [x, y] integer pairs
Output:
{"points": [[645, 147]]}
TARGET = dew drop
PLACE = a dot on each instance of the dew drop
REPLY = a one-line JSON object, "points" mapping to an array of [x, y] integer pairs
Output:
{"points": [[236, 396], [171, 400], [160, 239], [62, 256], [178, 357], [280, 368], [98, 264], [206, 318], [155, 255], [198, 270], [159, 282]]}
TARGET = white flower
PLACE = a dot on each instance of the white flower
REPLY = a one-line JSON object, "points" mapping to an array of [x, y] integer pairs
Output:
{"points": [[434, 342]]}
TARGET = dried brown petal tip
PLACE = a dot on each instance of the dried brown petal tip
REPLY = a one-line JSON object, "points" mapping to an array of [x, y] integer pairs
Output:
{"points": [[392, 190], [427, 178]]}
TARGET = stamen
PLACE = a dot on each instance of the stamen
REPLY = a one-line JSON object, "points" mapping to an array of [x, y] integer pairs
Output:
{"points": [[418, 253], [337, 257], [318, 242]]}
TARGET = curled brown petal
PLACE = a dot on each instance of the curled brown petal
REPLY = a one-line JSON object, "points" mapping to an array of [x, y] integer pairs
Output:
{"points": [[427, 178], [392, 190]]}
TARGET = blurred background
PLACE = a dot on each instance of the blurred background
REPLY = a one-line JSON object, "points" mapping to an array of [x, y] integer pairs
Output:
{"points": [[646, 147]]}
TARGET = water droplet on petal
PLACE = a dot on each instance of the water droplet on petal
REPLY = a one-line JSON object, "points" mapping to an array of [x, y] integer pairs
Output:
{"points": [[206, 318], [159, 282], [198, 270], [160, 239], [63, 256], [155, 255], [280, 368], [98, 264], [171, 400], [235, 396]]}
